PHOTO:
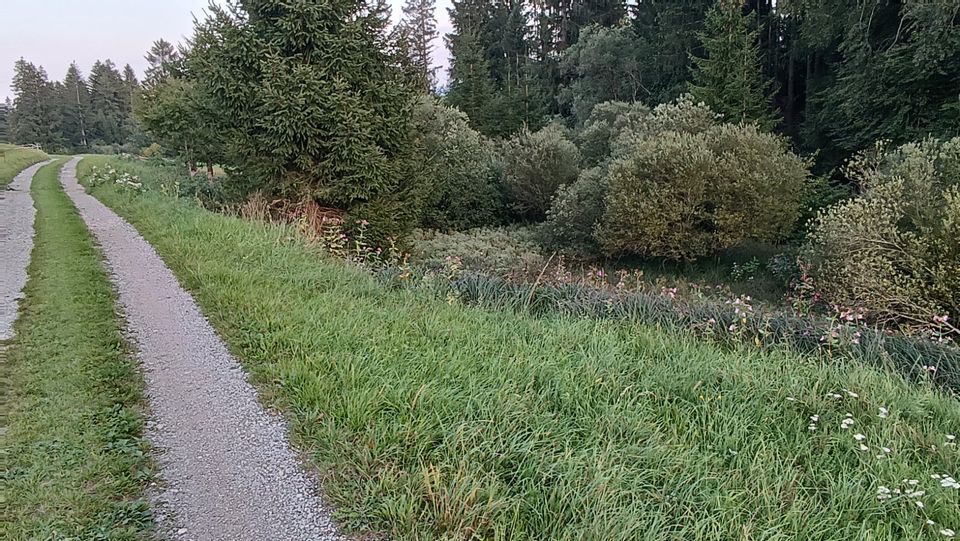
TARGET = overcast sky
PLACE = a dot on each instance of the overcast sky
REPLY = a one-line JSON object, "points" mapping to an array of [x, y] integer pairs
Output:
{"points": [[53, 33]]}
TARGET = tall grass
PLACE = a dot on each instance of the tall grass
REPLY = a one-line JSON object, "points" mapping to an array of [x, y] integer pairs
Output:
{"points": [[14, 159], [73, 462], [432, 419]]}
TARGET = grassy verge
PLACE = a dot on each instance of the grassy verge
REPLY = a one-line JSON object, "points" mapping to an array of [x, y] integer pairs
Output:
{"points": [[73, 461], [434, 420], [16, 159]]}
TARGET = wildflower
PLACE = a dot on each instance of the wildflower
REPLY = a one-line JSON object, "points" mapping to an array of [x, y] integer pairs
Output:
{"points": [[851, 394], [834, 395], [931, 369], [815, 418], [919, 504], [884, 413], [859, 437], [951, 437], [846, 423], [949, 482], [883, 493], [913, 482], [732, 327], [930, 522], [864, 448], [947, 532], [791, 399], [811, 427]]}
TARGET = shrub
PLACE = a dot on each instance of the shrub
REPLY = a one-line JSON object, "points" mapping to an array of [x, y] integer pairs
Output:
{"points": [[685, 195], [498, 250], [894, 250], [459, 171], [606, 122], [575, 213], [535, 166]]}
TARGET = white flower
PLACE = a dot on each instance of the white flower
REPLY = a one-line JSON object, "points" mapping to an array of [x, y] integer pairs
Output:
{"points": [[935, 476], [812, 427], [930, 522], [884, 413], [846, 423], [883, 493], [913, 482], [919, 504], [859, 437], [851, 394], [947, 532], [834, 395], [885, 450], [815, 418], [864, 447], [791, 399]]}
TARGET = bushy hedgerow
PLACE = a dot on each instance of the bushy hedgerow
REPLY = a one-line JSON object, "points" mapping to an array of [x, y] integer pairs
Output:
{"points": [[894, 250], [536, 164], [458, 168], [575, 213], [682, 195]]}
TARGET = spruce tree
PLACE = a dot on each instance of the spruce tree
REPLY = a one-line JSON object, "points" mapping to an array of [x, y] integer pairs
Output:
{"points": [[471, 86], [729, 77], [161, 61], [107, 103], [310, 99], [419, 30], [35, 116], [75, 105]]}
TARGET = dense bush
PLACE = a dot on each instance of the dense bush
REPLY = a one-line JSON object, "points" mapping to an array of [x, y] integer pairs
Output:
{"points": [[535, 166], [575, 213], [685, 195], [606, 122], [459, 170], [895, 249]]}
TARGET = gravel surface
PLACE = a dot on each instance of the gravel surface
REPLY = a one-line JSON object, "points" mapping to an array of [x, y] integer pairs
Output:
{"points": [[226, 470], [16, 243]]}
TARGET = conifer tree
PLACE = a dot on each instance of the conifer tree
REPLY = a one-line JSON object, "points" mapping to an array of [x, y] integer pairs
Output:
{"points": [[419, 30], [107, 103], [35, 117], [75, 104], [471, 86], [729, 77], [161, 61], [311, 99]]}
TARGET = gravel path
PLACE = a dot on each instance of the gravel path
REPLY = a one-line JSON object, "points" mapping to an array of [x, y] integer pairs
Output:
{"points": [[226, 469], [16, 243]]}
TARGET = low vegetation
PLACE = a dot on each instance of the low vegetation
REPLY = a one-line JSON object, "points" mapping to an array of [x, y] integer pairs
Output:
{"points": [[432, 419], [15, 159], [74, 463]]}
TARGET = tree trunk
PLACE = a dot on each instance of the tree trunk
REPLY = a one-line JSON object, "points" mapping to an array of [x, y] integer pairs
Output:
{"points": [[210, 177], [192, 165]]}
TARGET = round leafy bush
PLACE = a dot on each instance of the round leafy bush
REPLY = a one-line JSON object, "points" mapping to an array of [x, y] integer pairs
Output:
{"points": [[459, 172], [606, 122], [575, 213], [684, 195], [536, 165], [894, 250]]}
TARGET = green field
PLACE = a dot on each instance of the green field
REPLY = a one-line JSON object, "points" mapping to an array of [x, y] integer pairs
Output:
{"points": [[432, 420], [73, 461], [15, 159]]}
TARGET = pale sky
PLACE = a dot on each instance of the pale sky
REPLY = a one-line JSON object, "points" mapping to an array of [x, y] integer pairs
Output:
{"points": [[53, 33]]}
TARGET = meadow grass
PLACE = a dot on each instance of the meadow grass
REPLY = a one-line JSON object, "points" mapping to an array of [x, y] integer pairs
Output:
{"points": [[435, 420], [73, 461], [15, 159]]}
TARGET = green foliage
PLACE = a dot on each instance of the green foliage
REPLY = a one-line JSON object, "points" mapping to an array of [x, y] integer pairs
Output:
{"points": [[111, 103], [607, 64], [896, 79], [497, 250], [459, 171], [35, 118], [682, 196], [310, 100], [894, 250], [536, 164], [15, 160], [575, 213], [729, 77], [177, 113], [607, 121], [419, 29]]}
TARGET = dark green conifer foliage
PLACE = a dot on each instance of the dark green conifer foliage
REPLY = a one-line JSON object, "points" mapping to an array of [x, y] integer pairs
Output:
{"points": [[35, 119], [729, 76], [75, 106], [419, 30]]}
